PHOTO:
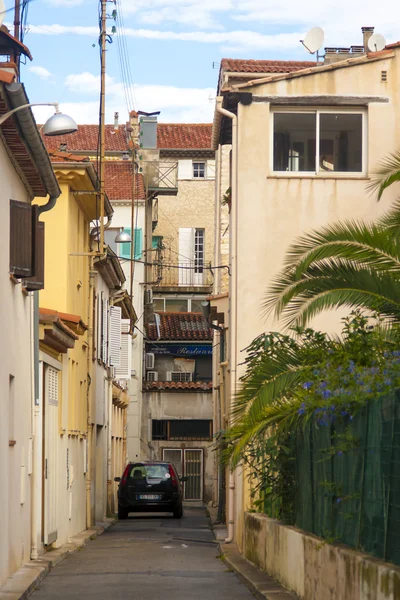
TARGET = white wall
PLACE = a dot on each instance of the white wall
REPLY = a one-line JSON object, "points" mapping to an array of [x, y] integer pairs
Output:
{"points": [[16, 314], [122, 218]]}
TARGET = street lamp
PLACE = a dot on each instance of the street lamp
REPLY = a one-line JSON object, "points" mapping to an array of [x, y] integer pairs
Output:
{"points": [[58, 124], [123, 237]]}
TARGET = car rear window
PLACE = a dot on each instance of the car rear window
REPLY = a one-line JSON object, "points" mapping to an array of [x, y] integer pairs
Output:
{"points": [[149, 472]]}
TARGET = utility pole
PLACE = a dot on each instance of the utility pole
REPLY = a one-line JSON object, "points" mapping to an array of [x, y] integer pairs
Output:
{"points": [[17, 19], [103, 35]]}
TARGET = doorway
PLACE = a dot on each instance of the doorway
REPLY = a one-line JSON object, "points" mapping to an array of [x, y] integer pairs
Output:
{"points": [[189, 464]]}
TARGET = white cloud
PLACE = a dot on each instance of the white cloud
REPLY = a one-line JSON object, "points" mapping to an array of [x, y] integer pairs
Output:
{"points": [[176, 104], [40, 72]]}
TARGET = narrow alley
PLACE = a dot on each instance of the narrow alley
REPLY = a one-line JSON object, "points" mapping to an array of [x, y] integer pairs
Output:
{"points": [[147, 558]]}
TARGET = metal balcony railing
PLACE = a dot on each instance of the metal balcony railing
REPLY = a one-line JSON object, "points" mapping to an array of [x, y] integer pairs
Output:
{"points": [[160, 177], [181, 272]]}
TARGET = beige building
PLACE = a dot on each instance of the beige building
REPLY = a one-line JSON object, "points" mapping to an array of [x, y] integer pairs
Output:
{"points": [[304, 145]]}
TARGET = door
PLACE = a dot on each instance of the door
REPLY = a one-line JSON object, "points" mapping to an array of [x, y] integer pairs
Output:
{"points": [[51, 433], [193, 467]]}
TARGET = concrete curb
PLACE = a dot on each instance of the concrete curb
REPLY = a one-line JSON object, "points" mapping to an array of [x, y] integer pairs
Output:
{"points": [[27, 579], [262, 586]]}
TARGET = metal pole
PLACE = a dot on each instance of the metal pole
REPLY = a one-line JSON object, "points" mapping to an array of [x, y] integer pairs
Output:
{"points": [[17, 19], [102, 117]]}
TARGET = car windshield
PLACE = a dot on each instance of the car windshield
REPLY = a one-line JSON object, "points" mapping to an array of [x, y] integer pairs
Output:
{"points": [[149, 472]]}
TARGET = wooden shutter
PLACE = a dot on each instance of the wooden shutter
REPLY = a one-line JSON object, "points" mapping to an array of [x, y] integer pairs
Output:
{"points": [[185, 169], [138, 244], [211, 169], [99, 326], [21, 260], [125, 251], [125, 366], [186, 255], [105, 330], [115, 336], [37, 281]]}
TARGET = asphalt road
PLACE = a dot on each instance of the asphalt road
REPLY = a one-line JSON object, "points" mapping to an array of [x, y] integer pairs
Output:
{"points": [[146, 558]]}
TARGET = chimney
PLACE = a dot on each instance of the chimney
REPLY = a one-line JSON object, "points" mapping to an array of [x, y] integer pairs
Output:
{"points": [[367, 32], [116, 124]]}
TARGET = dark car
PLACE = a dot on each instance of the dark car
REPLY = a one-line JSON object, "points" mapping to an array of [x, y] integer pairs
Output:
{"points": [[149, 486]]}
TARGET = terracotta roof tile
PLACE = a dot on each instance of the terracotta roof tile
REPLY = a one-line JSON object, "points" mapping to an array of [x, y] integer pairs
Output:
{"points": [[86, 138], [118, 181], [6, 76], [184, 135], [264, 66], [72, 320], [180, 326], [177, 386]]}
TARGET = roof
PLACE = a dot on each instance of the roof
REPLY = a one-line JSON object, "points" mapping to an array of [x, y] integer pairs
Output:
{"points": [[180, 326], [48, 317], [17, 146], [315, 70], [184, 135], [74, 321], [87, 138], [264, 66], [177, 386], [118, 181], [9, 42]]}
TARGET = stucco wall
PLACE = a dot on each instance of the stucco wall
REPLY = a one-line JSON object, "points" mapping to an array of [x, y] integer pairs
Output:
{"points": [[314, 569], [15, 422]]}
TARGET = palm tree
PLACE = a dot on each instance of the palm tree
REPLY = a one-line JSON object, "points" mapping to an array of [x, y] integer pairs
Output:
{"points": [[348, 264]]}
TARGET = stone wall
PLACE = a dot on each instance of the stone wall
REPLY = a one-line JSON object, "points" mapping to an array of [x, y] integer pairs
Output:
{"points": [[314, 569]]}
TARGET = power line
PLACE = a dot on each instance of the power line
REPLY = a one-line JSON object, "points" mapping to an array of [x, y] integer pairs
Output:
{"points": [[161, 264]]}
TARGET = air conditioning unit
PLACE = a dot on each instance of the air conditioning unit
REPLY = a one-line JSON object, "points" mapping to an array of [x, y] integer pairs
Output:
{"points": [[152, 376], [150, 360], [148, 297], [179, 376]]}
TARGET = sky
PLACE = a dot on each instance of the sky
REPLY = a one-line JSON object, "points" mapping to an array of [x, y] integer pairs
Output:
{"points": [[165, 54]]}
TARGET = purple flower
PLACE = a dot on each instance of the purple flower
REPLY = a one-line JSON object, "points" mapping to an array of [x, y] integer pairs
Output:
{"points": [[338, 500], [326, 394], [307, 385], [340, 453]]}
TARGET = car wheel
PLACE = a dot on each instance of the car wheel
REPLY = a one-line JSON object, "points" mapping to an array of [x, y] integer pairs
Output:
{"points": [[122, 513], [178, 512]]}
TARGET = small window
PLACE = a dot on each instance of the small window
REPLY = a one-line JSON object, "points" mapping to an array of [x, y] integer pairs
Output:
{"points": [[176, 305], [179, 376], [318, 142], [182, 429], [196, 306], [199, 250], [199, 170]]}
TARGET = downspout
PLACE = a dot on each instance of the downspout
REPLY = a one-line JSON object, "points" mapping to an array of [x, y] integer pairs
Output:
{"points": [[89, 426], [232, 298]]}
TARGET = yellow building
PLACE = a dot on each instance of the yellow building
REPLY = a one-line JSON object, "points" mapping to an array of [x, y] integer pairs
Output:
{"points": [[78, 422]]}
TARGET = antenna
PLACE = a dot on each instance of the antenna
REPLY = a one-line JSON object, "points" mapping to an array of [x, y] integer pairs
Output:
{"points": [[314, 40], [2, 12], [375, 43]]}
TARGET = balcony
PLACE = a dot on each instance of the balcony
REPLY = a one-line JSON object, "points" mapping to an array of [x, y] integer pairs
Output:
{"points": [[160, 177], [171, 271]]}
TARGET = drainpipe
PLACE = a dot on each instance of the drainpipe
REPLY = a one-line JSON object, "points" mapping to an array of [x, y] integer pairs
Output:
{"points": [[232, 297]]}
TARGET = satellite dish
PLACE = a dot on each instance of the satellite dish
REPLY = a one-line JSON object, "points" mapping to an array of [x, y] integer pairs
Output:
{"points": [[375, 43], [2, 12], [314, 40]]}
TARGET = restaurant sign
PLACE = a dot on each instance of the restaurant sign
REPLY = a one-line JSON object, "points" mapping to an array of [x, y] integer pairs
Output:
{"points": [[182, 350]]}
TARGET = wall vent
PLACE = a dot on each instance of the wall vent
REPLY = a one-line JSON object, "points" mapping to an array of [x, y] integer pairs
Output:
{"points": [[384, 76]]}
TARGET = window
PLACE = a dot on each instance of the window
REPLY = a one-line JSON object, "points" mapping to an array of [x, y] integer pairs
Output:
{"points": [[199, 250], [182, 429], [159, 304], [177, 305], [199, 170], [156, 241], [318, 142], [179, 376]]}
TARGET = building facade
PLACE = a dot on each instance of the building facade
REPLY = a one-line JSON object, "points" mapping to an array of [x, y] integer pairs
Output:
{"points": [[284, 184]]}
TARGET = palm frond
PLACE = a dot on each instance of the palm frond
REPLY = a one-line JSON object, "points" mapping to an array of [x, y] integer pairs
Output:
{"points": [[390, 221], [333, 284], [387, 174]]}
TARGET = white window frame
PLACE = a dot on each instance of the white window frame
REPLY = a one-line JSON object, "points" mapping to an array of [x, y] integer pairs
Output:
{"points": [[199, 162], [181, 376], [189, 301], [321, 174]]}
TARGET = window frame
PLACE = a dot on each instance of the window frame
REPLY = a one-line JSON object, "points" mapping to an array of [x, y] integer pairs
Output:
{"points": [[317, 111]]}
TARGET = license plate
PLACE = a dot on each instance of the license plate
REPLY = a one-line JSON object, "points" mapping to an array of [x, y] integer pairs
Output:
{"points": [[149, 497]]}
